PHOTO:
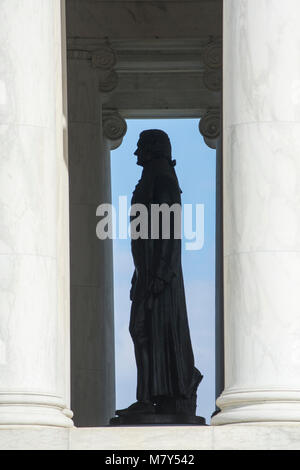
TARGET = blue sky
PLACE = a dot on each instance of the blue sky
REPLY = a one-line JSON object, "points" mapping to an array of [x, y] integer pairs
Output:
{"points": [[195, 169]]}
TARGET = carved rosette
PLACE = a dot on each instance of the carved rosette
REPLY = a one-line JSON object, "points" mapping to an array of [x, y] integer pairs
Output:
{"points": [[104, 58], [109, 81], [114, 129], [212, 55], [210, 127], [213, 80]]}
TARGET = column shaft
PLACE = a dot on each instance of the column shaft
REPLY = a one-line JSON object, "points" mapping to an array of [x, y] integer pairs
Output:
{"points": [[261, 211], [219, 298], [33, 321], [92, 321]]}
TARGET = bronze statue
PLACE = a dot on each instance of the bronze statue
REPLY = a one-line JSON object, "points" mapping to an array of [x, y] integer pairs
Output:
{"points": [[167, 379]]}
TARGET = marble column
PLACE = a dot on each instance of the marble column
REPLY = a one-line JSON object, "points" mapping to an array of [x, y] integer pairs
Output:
{"points": [[219, 294], [210, 128], [261, 211], [92, 319], [33, 190]]}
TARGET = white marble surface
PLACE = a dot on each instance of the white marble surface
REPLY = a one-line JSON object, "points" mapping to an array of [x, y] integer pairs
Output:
{"points": [[27, 196], [262, 184], [32, 334], [62, 200], [261, 212], [260, 436], [30, 64], [142, 437], [28, 324], [34, 438], [261, 60], [261, 320]]}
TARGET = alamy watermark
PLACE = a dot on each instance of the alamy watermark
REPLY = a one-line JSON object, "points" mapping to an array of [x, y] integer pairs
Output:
{"points": [[162, 221]]}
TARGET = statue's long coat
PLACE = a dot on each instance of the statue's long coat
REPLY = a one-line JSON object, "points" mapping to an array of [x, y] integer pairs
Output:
{"points": [[164, 325]]}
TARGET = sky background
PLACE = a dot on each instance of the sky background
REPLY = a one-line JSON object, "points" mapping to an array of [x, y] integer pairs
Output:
{"points": [[195, 169]]}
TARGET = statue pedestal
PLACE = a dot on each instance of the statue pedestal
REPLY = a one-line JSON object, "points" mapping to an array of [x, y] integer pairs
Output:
{"points": [[158, 419]]}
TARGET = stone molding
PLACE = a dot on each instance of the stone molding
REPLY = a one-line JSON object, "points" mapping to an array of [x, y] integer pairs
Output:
{"points": [[258, 405], [34, 409], [212, 59], [210, 127], [101, 55], [151, 55]]}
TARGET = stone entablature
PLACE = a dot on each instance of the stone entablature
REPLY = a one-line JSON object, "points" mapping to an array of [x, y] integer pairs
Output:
{"points": [[185, 75]]}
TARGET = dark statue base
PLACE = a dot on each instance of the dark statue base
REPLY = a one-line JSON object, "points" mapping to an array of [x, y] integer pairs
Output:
{"points": [[157, 419], [166, 410]]}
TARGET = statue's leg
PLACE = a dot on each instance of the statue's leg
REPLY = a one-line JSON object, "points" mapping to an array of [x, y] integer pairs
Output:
{"points": [[142, 363], [139, 333]]}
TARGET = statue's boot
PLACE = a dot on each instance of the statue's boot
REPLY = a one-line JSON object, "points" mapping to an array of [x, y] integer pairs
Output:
{"points": [[138, 407]]}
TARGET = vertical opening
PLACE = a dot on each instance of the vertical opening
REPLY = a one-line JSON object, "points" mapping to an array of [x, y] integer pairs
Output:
{"points": [[196, 171]]}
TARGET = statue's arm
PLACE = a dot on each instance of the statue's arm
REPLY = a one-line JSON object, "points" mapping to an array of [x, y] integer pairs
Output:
{"points": [[165, 250]]}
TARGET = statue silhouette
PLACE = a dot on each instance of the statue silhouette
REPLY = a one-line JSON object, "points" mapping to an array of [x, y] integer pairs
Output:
{"points": [[167, 379]]}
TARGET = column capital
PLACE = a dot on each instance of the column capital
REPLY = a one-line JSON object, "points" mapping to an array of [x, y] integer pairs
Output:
{"points": [[114, 128], [102, 60], [210, 127]]}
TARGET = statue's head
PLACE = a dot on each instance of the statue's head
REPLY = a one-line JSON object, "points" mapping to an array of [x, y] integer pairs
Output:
{"points": [[153, 143]]}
